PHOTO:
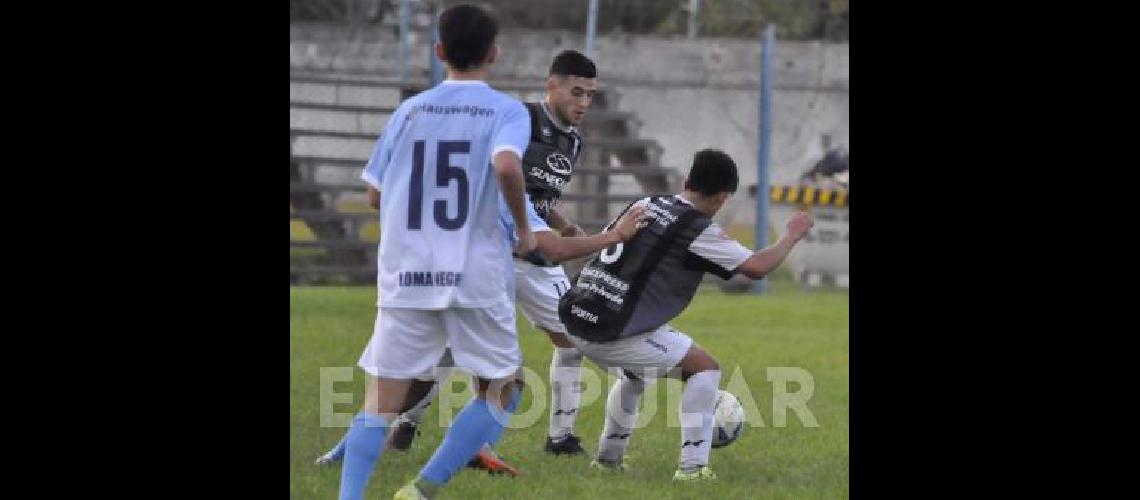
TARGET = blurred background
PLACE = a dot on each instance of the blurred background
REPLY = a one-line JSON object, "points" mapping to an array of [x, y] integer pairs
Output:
{"points": [[675, 76]]}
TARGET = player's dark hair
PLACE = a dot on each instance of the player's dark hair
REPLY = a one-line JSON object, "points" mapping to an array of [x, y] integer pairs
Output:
{"points": [[467, 33], [713, 172], [573, 63]]}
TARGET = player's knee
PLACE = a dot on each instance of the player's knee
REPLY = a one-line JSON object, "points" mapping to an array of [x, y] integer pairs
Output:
{"points": [[697, 360], [504, 393]]}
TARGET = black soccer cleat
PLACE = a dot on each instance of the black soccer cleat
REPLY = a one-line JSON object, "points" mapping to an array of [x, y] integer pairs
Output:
{"points": [[570, 445], [402, 436]]}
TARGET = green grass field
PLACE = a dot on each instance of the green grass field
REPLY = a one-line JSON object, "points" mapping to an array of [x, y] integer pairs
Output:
{"points": [[748, 335]]}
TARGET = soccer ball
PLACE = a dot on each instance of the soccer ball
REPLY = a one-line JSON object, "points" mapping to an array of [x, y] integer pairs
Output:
{"points": [[728, 419]]}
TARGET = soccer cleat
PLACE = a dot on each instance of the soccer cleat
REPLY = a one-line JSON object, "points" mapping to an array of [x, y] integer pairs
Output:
{"points": [[333, 456], [409, 492], [570, 445], [607, 465], [402, 436], [328, 459], [702, 473], [490, 462]]}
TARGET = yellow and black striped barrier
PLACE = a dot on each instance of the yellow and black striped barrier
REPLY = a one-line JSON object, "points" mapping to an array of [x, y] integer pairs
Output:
{"points": [[809, 196]]}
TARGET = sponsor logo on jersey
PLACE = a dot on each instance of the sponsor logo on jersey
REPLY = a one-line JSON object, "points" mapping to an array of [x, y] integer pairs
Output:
{"points": [[608, 278], [428, 278], [559, 163], [545, 131], [659, 215], [584, 314], [544, 206], [547, 177]]}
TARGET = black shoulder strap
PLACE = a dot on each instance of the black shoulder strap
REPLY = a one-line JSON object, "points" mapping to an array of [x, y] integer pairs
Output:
{"points": [[698, 263], [535, 110]]}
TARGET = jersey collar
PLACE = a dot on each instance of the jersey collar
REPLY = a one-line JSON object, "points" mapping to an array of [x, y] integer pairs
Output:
{"points": [[465, 82]]}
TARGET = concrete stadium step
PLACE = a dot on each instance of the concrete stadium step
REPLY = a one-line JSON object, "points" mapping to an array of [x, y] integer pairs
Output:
{"points": [[316, 169], [346, 144], [334, 162], [340, 118], [348, 148], [372, 91], [320, 161], [343, 93], [366, 118]]}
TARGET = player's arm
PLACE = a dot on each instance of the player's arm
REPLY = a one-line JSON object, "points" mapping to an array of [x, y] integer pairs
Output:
{"points": [[511, 139], [374, 197], [562, 225], [765, 260], [508, 168], [558, 249]]}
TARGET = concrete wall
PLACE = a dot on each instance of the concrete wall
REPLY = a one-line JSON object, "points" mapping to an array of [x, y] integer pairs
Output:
{"points": [[688, 94]]}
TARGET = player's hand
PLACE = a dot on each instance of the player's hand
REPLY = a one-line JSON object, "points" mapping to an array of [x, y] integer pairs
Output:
{"points": [[799, 225], [526, 242], [630, 222], [572, 230]]}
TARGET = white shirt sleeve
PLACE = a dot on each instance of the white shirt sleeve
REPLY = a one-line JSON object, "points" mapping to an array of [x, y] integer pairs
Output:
{"points": [[381, 154], [513, 131], [715, 246]]}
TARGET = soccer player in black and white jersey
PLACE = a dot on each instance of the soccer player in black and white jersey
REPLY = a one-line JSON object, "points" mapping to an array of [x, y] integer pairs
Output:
{"points": [[617, 312], [555, 144]]}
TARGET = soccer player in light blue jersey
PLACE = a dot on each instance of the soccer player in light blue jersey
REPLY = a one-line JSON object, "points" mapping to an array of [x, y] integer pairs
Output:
{"points": [[443, 161]]}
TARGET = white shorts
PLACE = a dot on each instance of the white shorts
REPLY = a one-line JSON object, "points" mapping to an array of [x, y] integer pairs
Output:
{"points": [[537, 290], [649, 355], [409, 343]]}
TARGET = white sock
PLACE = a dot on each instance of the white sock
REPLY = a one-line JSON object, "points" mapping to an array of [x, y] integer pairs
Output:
{"points": [[697, 401], [565, 391], [621, 415]]}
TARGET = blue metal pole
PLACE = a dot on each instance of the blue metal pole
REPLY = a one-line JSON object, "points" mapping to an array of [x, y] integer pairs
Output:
{"points": [[764, 152], [591, 25], [436, 64], [694, 7], [405, 27]]}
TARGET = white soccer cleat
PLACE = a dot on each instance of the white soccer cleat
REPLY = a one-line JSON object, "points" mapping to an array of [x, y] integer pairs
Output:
{"points": [[327, 459]]}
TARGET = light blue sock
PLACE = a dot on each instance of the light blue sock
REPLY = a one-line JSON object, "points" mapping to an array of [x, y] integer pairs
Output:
{"points": [[512, 405], [478, 423], [363, 444]]}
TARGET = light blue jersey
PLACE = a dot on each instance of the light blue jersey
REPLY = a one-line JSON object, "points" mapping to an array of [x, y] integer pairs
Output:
{"points": [[443, 242]]}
